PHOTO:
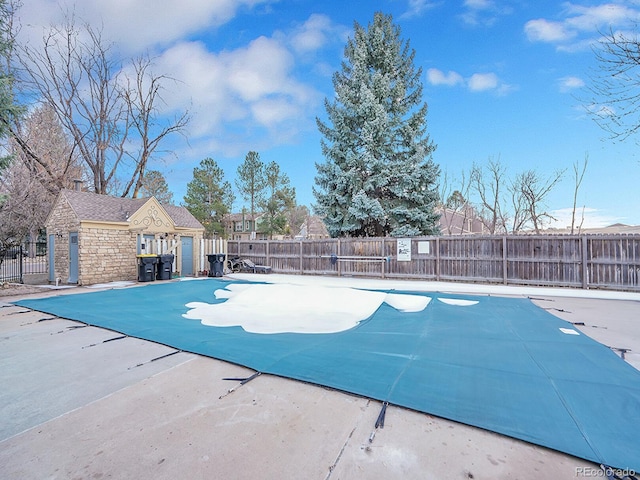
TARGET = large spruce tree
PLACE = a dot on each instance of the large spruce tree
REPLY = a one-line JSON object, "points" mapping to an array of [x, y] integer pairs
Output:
{"points": [[378, 178]]}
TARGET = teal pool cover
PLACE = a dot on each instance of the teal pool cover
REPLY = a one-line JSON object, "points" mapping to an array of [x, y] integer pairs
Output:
{"points": [[502, 364]]}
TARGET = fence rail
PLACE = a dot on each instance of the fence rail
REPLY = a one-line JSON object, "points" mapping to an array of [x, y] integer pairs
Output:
{"points": [[581, 261]]}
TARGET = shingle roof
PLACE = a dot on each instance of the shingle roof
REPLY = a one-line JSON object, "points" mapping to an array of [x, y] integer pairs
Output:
{"points": [[105, 208], [92, 206], [182, 217]]}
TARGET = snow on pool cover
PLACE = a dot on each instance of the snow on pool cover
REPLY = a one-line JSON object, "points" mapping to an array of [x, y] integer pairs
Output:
{"points": [[501, 364]]}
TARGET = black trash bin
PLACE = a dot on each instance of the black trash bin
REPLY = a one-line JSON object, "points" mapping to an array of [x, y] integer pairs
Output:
{"points": [[147, 268], [216, 264], [165, 262]]}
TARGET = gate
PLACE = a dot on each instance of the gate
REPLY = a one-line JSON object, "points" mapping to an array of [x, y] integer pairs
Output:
{"points": [[21, 260], [11, 265]]}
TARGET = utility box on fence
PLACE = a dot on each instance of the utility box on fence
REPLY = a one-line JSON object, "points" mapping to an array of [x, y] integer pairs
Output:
{"points": [[216, 264], [165, 263], [147, 267]]}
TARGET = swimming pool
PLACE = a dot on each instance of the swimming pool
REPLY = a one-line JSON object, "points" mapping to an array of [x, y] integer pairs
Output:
{"points": [[497, 363]]}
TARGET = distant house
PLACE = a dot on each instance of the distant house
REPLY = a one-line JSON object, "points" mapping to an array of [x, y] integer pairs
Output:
{"points": [[312, 228], [95, 238], [614, 229], [461, 221], [241, 226]]}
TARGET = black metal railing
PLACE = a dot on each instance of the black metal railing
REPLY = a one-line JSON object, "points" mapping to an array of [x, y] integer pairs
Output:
{"points": [[20, 260]]}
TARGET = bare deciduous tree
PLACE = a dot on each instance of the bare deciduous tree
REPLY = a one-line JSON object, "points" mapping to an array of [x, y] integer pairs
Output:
{"points": [[455, 207], [103, 110], [43, 148], [533, 191], [142, 95], [487, 184], [35, 177], [578, 176], [73, 71], [615, 88]]}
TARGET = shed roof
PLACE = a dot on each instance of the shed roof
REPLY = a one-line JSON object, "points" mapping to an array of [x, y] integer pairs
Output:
{"points": [[104, 208]]}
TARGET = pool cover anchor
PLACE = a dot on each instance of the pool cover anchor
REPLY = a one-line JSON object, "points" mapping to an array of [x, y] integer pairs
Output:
{"points": [[153, 359], [379, 421], [120, 337], [242, 382], [621, 351]]}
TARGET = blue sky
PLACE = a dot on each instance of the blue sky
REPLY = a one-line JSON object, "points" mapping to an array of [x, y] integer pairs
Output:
{"points": [[502, 80]]}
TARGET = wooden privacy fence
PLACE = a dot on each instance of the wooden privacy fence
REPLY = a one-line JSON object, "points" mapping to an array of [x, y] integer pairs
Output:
{"points": [[582, 261]]}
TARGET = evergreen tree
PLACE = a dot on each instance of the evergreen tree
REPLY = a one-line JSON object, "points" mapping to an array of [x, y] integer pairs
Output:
{"points": [[251, 181], [155, 185], [10, 111], [378, 177], [209, 198], [279, 200]]}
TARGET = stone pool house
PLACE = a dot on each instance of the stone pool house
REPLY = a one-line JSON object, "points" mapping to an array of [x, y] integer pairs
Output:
{"points": [[96, 238]]}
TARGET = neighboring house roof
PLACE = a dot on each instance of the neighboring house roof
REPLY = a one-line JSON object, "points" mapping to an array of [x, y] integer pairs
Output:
{"points": [[463, 220], [182, 217], [238, 217], [104, 208], [313, 227]]}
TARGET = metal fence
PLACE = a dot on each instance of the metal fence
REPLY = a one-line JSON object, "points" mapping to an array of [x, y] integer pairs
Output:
{"points": [[582, 261], [26, 259]]}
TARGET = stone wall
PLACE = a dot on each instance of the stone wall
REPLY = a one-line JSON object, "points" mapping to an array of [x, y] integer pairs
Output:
{"points": [[106, 255], [61, 221]]}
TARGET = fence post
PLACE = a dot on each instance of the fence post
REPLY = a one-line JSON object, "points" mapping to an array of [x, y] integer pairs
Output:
{"points": [[437, 259], [339, 263], [504, 260], [301, 265], [383, 262], [585, 272], [267, 253]]}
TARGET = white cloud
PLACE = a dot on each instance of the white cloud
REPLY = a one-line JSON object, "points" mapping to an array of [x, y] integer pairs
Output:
{"points": [[438, 77], [570, 83], [315, 33], [479, 82], [478, 4], [417, 8], [542, 30], [483, 12], [591, 18], [165, 21], [586, 217], [253, 85], [581, 25], [251, 88]]}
